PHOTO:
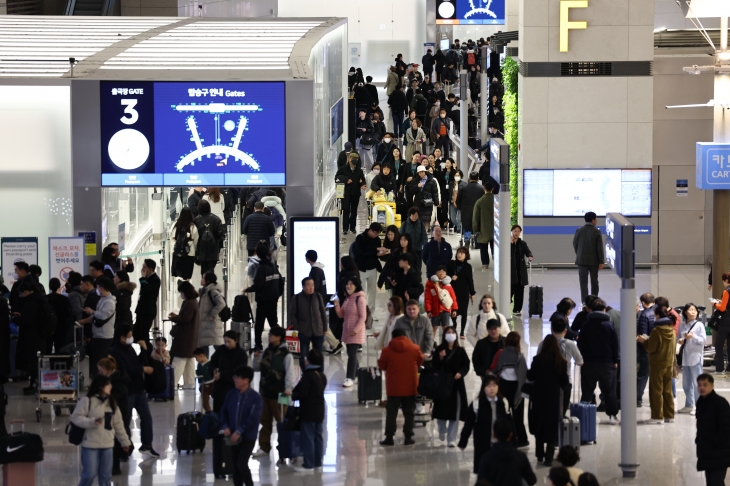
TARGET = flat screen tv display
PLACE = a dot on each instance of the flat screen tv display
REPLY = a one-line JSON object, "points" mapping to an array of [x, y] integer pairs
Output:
{"points": [[574, 192], [193, 134], [337, 120]]}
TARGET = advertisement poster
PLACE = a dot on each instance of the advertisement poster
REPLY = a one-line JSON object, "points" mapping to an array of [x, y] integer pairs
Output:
{"points": [[58, 380], [89, 242], [22, 249], [321, 235], [122, 236], [65, 255]]}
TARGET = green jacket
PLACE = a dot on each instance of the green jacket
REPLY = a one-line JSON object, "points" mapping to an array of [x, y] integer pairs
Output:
{"points": [[483, 218]]}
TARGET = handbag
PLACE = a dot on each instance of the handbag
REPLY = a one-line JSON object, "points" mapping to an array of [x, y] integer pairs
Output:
{"points": [[76, 433], [436, 384], [369, 139], [291, 421], [714, 322]]}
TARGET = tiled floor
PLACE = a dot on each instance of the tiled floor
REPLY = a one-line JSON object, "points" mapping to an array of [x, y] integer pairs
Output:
{"points": [[353, 456]]}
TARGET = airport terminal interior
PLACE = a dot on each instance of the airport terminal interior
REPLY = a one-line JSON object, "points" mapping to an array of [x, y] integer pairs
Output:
{"points": [[117, 117]]}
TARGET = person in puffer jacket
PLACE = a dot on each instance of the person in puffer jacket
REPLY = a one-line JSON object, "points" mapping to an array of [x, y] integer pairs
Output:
{"points": [[435, 302], [275, 203], [212, 302], [98, 414]]}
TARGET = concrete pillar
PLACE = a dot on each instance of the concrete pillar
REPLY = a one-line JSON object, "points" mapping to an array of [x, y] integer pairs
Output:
{"points": [[720, 199]]}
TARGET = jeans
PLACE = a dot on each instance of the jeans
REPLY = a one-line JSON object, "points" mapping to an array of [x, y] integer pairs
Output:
{"points": [[715, 477], [312, 443], [722, 336], [352, 363], [484, 251], [605, 375], [264, 310], [397, 122], [518, 297], [455, 217], [138, 401], [349, 212], [451, 427], [642, 375], [391, 413], [241, 454], [304, 342], [96, 462], [583, 271], [272, 411], [369, 281], [100, 349], [689, 383]]}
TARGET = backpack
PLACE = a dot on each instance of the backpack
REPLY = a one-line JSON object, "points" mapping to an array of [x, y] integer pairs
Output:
{"points": [[368, 315], [182, 245], [281, 280], [242, 311], [48, 316], [225, 313], [353, 250], [282, 239], [421, 106], [471, 58], [208, 244]]}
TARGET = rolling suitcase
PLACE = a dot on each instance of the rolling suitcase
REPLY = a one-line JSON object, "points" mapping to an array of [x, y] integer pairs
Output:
{"points": [[244, 329], [569, 431], [369, 381], [586, 414], [535, 299], [222, 458], [169, 392], [188, 432], [289, 446]]}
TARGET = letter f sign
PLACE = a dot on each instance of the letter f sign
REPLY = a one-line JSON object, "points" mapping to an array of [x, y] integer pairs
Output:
{"points": [[566, 24]]}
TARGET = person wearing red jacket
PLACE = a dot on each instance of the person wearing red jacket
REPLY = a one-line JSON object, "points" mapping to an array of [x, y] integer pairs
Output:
{"points": [[400, 360], [437, 305]]}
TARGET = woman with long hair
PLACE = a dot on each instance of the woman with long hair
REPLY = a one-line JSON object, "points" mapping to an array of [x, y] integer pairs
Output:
{"points": [[549, 374], [462, 281], [519, 251], [511, 368], [661, 347], [454, 212], [184, 236], [353, 311], [476, 328], [120, 392], [451, 358], [98, 414], [217, 202], [125, 290], [185, 338], [391, 265], [391, 242]]}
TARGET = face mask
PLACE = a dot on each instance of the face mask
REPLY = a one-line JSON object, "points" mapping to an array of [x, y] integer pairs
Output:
{"points": [[130, 341], [386, 140], [450, 338], [457, 178], [376, 171], [98, 292], [443, 116]]}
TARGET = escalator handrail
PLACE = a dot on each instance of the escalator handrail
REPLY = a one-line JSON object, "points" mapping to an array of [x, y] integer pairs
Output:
{"points": [[70, 6]]}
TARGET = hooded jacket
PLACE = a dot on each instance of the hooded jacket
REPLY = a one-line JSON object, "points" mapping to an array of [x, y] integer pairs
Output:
{"points": [[105, 311], [310, 393], [433, 303], [212, 302], [275, 203], [598, 342], [124, 303], [87, 411], [661, 344], [400, 360]]}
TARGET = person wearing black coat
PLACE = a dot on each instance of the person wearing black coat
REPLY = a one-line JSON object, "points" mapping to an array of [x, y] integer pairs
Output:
{"points": [[385, 180], [462, 281], [267, 285], [550, 377], [206, 255], [362, 97], [372, 89], [4, 340], [504, 465], [342, 157], [424, 191], [406, 279], [713, 432], [439, 59], [398, 108], [257, 226], [467, 199], [224, 362], [428, 60], [310, 393], [62, 307], [451, 358], [32, 332], [146, 310], [124, 292], [194, 199], [354, 180], [519, 251]]}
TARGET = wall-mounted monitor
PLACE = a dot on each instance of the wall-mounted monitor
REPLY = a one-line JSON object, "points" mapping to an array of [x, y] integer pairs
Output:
{"points": [[193, 134], [337, 120], [574, 192], [444, 44], [470, 12]]}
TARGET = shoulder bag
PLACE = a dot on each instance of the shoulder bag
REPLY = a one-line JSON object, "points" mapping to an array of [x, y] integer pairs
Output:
{"points": [[681, 348], [76, 433], [436, 384]]}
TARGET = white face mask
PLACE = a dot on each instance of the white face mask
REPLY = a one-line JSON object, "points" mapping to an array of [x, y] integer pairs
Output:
{"points": [[443, 115], [450, 338], [386, 140], [130, 341], [457, 178], [376, 171], [98, 292]]}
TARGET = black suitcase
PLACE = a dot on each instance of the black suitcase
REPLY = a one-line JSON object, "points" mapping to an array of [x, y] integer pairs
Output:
{"points": [[222, 458], [534, 306], [369, 381], [21, 446], [188, 432]]}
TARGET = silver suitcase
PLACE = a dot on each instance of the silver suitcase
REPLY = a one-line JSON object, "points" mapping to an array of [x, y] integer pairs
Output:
{"points": [[570, 432], [244, 329]]}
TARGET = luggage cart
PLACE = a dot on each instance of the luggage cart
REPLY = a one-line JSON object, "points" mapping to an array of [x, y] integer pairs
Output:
{"points": [[60, 382], [424, 416]]}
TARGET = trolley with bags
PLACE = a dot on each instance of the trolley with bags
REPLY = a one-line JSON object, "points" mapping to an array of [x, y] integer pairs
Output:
{"points": [[424, 410], [60, 382]]}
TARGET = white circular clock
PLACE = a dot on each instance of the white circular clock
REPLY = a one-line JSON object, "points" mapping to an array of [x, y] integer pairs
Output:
{"points": [[128, 149], [446, 10]]}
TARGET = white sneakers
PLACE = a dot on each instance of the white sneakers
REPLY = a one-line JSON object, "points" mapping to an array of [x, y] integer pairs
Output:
{"points": [[653, 422], [669, 421], [452, 444], [260, 453], [303, 470], [348, 383], [689, 410], [612, 420]]}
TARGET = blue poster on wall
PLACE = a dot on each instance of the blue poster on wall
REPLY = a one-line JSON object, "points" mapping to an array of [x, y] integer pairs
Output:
{"points": [[193, 133], [480, 12]]}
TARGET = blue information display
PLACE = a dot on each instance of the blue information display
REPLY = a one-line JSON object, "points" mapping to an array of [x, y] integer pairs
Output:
{"points": [[713, 165], [193, 133], [620, 245], [480, 12]]}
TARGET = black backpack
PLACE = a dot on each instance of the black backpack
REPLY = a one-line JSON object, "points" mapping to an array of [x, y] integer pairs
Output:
{"points": [[182, 245], [283, 236], [208, 244], [225, 313], [421, 106], [48, 317], [157, 381], [242, 311]]}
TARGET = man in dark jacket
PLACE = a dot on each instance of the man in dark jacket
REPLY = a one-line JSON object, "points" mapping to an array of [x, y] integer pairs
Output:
{"points": [[308, 316], [119, 264], [365, 250], [467, 199], [406, 281], [371, 88], [398, 107], [354, 179], [410, 93], [428, 61], [146, 310], [33, 330], [257, 226], [486, 348], [436, 252], [194, 199], [342, 157], [588, 246], [713, 432], [212, 232], [268, 287], [310, 393], [419, 103], [644, 326], [317, 274], [448, 77], [440, 129], [504, 465], [598, 344]]}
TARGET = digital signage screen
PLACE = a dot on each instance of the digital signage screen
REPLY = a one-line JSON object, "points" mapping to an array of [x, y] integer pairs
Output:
{"points": [[337, 120], [470, 12], [574, 192], [193, 134]]}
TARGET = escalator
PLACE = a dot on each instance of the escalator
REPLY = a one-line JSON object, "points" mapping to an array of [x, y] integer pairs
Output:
{"points": [[93, 7]]}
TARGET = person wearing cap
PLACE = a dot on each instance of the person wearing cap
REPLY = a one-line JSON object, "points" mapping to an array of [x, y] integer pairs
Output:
{"points": [[486, 349], [342, 157], [353, 178], [483, 225], [467, 199], [424, 191]]}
